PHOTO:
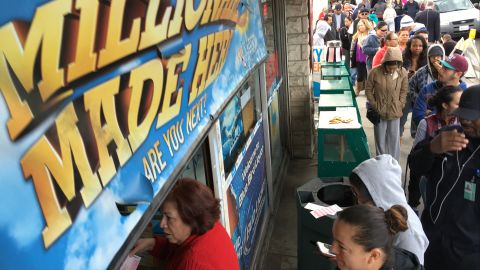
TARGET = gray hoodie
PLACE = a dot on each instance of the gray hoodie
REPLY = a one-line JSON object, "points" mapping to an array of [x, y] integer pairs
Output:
{"points": [[382, 176]]}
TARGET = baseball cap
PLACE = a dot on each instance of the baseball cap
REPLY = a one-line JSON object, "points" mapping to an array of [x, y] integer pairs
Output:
{"points": [[338, 7], [469, 107], [455, 62], [364, 10]]}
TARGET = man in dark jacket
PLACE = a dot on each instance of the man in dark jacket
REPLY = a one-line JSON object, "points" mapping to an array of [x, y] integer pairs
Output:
{"points": [[362, 14], [411, 8], [451, 163], [338, 20], [431, 19]]}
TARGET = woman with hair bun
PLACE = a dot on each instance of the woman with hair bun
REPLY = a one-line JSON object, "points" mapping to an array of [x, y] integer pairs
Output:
{"points": [[363, 239], [445, 101]]}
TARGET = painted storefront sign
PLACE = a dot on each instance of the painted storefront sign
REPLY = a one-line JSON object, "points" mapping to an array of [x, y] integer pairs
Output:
{"points": [[100, 101]]}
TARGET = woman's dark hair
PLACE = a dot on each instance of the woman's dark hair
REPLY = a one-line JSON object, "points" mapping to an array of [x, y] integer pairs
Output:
{"points": [[358, 184], [349, 18], [374, 227], [196, 204], [407, 54], [443, 95]]}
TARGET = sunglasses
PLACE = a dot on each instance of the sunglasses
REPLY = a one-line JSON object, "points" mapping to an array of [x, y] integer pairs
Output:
{"points": [[384, 30], [364, 13]]}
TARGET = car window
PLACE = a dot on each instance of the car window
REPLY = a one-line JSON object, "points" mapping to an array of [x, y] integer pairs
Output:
{"points": [[452, 5]]}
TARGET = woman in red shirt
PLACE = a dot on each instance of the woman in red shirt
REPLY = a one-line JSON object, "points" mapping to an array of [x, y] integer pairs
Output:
{"points": [[194, 239], [391, 40]]}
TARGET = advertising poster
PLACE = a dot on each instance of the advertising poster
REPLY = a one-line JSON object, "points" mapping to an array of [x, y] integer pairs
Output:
{"points": [[100, 102], [272, 74], [247, 197], [231, 130]]}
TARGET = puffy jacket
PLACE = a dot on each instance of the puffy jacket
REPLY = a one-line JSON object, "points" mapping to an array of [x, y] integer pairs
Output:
{"points": [[385, 92], [421, 108], [370, 48]]}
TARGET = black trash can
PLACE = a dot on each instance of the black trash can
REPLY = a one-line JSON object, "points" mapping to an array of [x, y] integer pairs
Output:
{"points": [[310, 229]]}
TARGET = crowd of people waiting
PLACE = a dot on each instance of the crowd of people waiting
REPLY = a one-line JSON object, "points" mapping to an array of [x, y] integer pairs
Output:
{"points": [[396, 54]]}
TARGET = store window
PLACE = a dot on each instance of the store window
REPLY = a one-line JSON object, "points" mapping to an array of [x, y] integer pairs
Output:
{"points": [[273, 81], [238, 120], [199, 166]]}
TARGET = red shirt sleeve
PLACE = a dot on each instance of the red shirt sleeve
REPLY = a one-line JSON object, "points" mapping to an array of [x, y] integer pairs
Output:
{"points": [[161, 248]]}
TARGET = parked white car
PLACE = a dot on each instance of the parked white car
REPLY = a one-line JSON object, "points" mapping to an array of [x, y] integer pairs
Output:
{"points": [[457, 17]]}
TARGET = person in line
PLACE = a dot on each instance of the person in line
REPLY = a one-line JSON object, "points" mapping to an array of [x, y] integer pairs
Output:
{"points": [[323, 32], [373, 18], [448, 44], [346, 39], [362, 15], [386, 90], [194, 238], [403, 37], [358, 58], [431, 19], [414, 57], [389, 17], [411, 8], [347, 10], [445, 101], [398, 6], [451, 163], [378, 182], [453, 69], [379, 9], [338, 21], [423, 33], [425, 75], [322, 14], [408, 23], [363, 237], [331, 34], [372, 43], [390, 40]]}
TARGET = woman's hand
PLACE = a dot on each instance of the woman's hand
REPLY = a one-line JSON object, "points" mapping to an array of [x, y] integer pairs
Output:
{"points": [[143, 244]]}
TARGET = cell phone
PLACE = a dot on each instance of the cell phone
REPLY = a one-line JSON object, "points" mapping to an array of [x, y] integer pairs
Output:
{"points": [[325, 249], [452, 127]]}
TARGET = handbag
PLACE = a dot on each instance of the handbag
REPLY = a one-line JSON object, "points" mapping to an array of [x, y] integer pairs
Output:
{"points": [[373, 116]]}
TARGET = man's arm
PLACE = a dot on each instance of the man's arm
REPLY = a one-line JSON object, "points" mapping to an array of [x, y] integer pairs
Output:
{"points": [[423, 155], [420, 106]]}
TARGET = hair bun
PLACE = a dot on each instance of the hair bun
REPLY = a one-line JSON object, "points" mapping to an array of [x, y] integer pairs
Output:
{"points": [[396, 219]]}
